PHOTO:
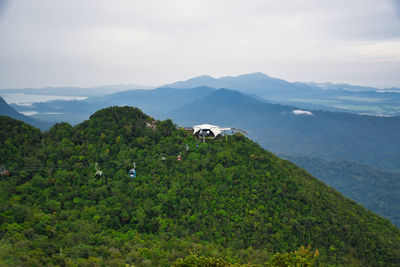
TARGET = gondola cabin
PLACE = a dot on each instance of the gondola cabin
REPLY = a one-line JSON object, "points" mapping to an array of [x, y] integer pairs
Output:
{"points": [[132, 173], [98, 173]]}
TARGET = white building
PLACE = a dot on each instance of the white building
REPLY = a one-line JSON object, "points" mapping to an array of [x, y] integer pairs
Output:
{"points": [[212, 131]]}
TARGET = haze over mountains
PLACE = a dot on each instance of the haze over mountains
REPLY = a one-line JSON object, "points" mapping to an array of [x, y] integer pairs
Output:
{"points": [[326, 96], [292, 130], [75, 91], [280, 129], [7, 110], [306, 168]]}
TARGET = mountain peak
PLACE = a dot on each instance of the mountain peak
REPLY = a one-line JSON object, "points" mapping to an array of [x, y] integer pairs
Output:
{"points": [[255, 75], [247, 83], [202, 78], [253, 200]]}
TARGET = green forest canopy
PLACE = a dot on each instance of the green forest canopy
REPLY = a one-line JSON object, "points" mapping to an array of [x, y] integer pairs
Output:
{"points": [[227, 198]]}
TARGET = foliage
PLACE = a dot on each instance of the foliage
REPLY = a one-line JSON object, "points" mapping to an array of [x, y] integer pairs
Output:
{"points": [[227, 199], [371, 140], [201, 261], [375, 189], [303, 257]]}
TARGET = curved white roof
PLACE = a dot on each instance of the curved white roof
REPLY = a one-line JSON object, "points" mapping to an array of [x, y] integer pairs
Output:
{"points": [[216, 130]]}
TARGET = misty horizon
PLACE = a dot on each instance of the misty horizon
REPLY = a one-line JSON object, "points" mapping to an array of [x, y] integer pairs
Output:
{"points": [[86, 44]]}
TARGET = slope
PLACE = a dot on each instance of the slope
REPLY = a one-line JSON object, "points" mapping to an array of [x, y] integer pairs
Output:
{"points": [[375, 189], [227, 198], [7, 110], [156, 102], [325, 134], [330, 97], [285, 129]]}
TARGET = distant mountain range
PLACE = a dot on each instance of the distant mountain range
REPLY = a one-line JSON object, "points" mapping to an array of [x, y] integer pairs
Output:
{"points": [[76, 91], [7, 110], [307, 95], [276, 127], [257, 84], [325, 96], [279, 128], [288, 129], [157, 102]]}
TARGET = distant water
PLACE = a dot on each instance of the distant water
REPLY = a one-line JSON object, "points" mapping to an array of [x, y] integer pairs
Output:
{"points": [[27, 99], [30, 113]]}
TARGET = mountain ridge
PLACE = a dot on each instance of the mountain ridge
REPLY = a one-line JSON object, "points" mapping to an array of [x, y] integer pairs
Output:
{"points": [[375, 189], [280, 129], [274, 126], [228, 193], [7, 110], [326, 96], [292, 131]]}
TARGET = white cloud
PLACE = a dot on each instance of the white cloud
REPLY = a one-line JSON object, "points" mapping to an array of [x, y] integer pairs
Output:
{"points": [[380, 51], [302, 112]]}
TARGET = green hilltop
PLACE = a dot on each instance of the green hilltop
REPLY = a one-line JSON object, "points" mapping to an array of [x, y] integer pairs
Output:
{"points": [[228, 199]]}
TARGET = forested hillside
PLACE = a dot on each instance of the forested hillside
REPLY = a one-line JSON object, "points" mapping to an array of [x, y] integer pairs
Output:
{"points": [[7, 110], [366, 139], [370, 140], [227, 198], [375, 189]]}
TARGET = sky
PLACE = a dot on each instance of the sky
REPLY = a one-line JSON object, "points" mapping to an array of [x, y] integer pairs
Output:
{"points": [[98, 42]]}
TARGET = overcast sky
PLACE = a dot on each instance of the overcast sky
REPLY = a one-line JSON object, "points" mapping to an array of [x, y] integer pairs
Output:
{"points": [[97, 42]]}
